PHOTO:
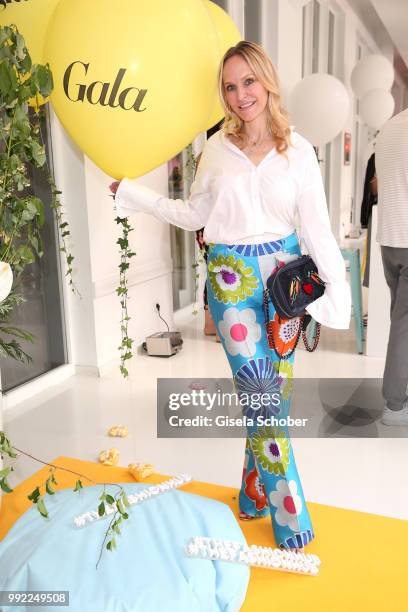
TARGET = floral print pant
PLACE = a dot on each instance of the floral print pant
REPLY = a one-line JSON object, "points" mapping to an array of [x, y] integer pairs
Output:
{"points": [[236, 278]]}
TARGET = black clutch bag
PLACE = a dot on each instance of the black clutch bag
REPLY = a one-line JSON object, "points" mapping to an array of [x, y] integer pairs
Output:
{"points": [[291, 288], [294, 286]]}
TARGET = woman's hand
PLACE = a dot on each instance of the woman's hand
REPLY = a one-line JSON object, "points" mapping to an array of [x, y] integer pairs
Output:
{"points": [[114, 187]]}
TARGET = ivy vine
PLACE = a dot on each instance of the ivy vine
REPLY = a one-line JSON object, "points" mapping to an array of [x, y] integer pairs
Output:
{"points": [[39, 494], [22, 214], [126, 255]]}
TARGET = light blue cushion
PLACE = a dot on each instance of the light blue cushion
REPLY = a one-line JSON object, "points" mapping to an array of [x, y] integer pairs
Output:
{"points": [[148, 572]]}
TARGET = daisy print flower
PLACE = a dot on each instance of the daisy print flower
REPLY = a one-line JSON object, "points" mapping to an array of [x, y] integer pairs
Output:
{"points": [[271, 449], [231, 280], [240, 331], [288, 503]]}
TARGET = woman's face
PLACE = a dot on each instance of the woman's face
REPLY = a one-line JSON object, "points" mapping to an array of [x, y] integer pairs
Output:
{"points": [[244, 93]]}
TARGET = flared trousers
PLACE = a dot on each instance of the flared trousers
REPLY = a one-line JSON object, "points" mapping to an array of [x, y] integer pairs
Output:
{"points": [[236, 278]]}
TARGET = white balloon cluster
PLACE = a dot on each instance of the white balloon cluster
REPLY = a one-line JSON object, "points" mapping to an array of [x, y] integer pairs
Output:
{"points": [[259, 556], [371, 81]]}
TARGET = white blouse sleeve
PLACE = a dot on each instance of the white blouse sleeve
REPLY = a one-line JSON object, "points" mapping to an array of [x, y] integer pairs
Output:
{"points": [[334, 307], [191, 214]]}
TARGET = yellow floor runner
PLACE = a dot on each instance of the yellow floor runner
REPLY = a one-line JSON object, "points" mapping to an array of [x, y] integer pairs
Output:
{"points": [[364, 556]]}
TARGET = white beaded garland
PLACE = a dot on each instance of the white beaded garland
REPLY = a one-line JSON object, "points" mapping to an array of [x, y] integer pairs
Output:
{"points": [[143, 495], [257, 556]]}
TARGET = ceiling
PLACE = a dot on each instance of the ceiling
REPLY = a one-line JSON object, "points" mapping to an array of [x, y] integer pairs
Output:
{"points": [[387, 22], [370, 18], [394, 15]]}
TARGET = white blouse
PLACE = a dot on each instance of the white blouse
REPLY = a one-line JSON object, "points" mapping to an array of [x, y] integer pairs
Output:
{"points": [[237, 202]]}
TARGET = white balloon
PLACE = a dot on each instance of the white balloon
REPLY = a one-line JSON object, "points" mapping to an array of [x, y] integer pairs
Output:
{"points": [[372, 72], [6, 280], [319, 106], [376, 107]]}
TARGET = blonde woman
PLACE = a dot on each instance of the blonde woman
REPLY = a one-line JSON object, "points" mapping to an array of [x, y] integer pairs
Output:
{"points": [[256, 180]]}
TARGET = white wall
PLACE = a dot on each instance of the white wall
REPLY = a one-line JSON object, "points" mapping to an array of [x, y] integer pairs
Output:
{"points": [[69, 173], [236, 10], [289, 44], [94, 320], [150, 272]]}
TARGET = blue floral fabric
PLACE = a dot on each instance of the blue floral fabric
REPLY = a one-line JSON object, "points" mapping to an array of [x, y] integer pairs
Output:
{"points": [[236, 279]]}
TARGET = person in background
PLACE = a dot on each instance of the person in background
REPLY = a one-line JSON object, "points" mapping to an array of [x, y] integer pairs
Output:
{"points": [[209, 325], [370, 198], [391, 160], [255, 179]]}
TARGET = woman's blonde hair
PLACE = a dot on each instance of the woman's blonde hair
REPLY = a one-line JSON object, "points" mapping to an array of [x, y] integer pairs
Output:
{"points": [[264, 70]]}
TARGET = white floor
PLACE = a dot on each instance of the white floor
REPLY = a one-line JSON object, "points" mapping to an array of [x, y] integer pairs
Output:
{"points": [[72, 419]]}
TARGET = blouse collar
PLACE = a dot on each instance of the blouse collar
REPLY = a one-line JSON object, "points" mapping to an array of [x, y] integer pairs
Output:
{"points": [[230, 145]]}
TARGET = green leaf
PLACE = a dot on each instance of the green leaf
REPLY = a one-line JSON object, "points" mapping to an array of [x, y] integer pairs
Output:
{"points": [[49, 487], [30, 211], [5, 33], [41, 508], [101, 509], [6, 448], [78, 486], [8, 79], [26, 64], [120, 507], [20, 46], [16, 331], [43, 78], [35, 495], [110, 500], [38, 153], [4, 486], [5, 472], [40, 210], [25, 254], [125, 500], [14, 351]]}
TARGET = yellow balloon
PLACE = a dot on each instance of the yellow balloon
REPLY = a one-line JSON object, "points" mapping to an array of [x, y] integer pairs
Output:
{"points": [[227, 35], [31, 18], [131, 85]]}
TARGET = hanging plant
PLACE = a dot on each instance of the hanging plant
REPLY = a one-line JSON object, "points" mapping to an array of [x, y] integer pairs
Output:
{"points": [[126, 255], [21, 146]]}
